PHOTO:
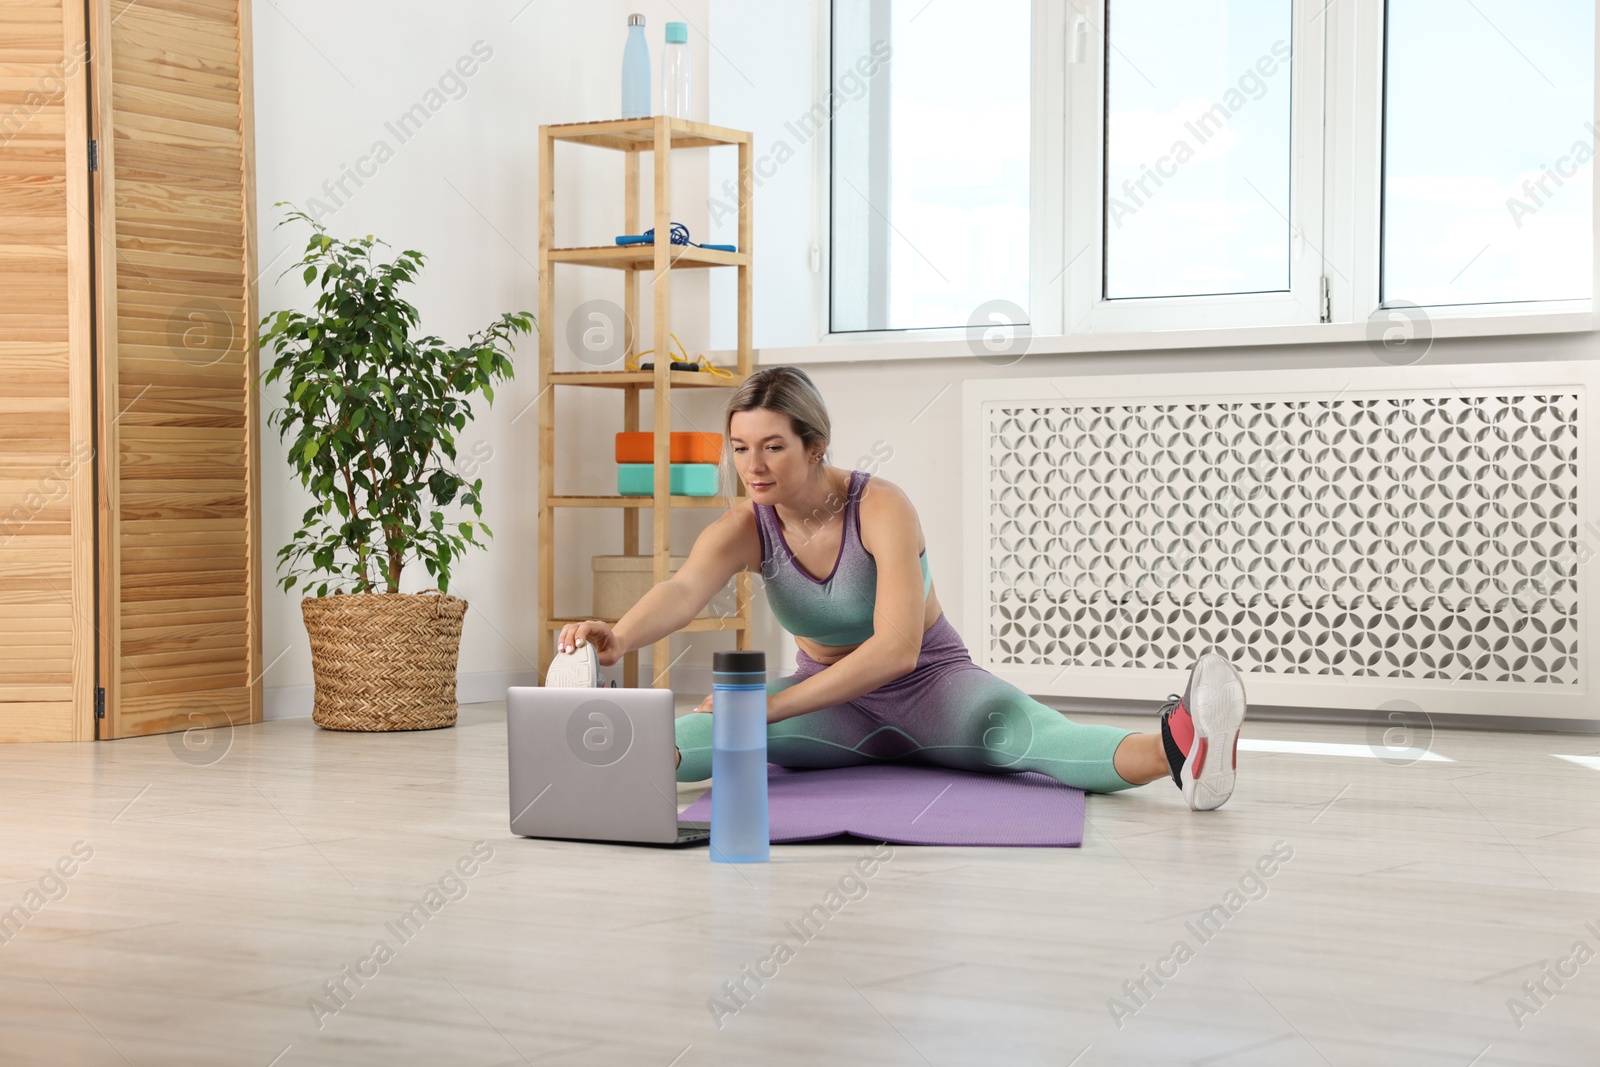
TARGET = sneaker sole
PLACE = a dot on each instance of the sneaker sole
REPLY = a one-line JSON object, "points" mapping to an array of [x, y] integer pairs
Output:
{"points": [[574, 670], [1216, 703]]}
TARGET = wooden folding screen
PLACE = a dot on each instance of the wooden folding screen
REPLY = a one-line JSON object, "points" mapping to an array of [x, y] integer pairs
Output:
{"points": [[141, 584], [180, 577], [46, 377]]}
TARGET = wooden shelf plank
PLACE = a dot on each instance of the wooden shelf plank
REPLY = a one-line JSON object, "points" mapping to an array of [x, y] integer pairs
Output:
{"points": [[643, 501], [643, 257], [638, 135], [616, 379]]}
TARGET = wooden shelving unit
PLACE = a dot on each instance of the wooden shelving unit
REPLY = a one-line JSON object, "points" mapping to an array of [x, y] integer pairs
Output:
{"points": [[660, 136]]}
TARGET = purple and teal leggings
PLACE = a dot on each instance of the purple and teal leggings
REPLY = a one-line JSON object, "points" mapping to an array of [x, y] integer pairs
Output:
{"points": [[949, 712]]}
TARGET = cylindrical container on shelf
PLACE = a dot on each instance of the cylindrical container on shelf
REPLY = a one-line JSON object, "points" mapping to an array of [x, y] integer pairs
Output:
{"points": [[636, 71], [739, 830], [675, 71]]}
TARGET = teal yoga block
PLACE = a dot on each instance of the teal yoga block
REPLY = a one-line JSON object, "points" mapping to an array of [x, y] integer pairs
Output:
{"points": [[685, 479]]}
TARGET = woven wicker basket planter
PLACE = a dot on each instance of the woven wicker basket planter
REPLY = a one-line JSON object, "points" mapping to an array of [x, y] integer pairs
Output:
{"points": [[384, 661]]}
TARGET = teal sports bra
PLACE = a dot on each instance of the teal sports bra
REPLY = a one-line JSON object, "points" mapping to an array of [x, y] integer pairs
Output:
{"points": [[836, 610]]}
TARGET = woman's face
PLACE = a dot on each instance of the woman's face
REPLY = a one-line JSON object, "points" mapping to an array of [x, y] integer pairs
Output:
{"points": [[768, 455]]}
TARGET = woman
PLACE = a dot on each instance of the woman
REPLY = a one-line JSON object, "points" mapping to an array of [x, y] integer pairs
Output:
{"points": [[881, 673]]}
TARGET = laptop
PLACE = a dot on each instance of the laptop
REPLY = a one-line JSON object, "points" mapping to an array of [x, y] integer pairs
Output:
{"points": [[595, 765]]}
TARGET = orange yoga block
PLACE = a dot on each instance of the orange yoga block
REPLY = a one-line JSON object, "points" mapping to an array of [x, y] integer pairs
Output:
{"points": [[687, 447]]}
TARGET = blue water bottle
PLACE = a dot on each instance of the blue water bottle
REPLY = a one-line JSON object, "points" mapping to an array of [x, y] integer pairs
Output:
{"points": [[739, 831], [635, 71]]}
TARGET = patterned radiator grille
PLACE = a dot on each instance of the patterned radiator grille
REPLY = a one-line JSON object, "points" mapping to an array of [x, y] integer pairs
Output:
{"points": [[1403, 537]]}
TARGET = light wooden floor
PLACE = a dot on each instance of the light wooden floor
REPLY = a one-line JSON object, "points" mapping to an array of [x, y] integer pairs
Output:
{"points": [[221, 895]]}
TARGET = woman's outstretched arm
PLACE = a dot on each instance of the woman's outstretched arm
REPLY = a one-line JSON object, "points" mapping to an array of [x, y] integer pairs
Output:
{"points": [[718, 554]]}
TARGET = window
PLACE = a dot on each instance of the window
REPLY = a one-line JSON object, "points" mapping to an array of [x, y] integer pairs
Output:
{"points": [[930, 174], [1197, 148], [1194, 193], [1488, 148], [1098, 166]]}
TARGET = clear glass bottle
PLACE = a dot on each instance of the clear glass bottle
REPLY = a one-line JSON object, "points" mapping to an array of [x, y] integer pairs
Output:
{"points": [[675, 71], [739, 828], [636, 71]]}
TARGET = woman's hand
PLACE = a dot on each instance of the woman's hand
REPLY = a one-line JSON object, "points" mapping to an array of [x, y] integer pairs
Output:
{"points": [[774, 714], [607, 648]]}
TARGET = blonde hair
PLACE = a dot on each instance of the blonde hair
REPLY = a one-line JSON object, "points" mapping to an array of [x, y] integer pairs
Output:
{"points": [[787, 391]]}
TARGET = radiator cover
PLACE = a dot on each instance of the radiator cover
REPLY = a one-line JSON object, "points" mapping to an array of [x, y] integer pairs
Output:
{"points": [[1348, 538]]}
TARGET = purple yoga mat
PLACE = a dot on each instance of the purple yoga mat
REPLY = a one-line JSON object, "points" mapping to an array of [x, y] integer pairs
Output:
{"points": [[910, 804]]}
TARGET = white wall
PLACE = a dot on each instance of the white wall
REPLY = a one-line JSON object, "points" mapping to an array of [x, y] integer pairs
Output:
{"points": [[558, 62], [463, 191]]}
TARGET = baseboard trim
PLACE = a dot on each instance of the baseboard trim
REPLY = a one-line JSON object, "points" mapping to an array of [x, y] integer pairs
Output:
{"points": [[294, 701], [687, 680], [1370, 720]]}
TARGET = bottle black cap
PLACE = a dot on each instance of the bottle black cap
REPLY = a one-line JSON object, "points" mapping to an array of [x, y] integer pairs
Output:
{"points": [[745, 661]]}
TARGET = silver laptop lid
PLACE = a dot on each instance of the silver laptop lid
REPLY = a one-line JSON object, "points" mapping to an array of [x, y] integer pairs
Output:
{"points": [[595, 764]]}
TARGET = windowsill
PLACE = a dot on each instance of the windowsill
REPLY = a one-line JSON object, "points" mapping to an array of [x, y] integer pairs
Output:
{"points": [[952, 344]]}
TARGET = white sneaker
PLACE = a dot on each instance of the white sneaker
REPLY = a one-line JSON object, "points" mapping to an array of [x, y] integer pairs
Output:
{"points": [[578, 669], [1200, 732]]}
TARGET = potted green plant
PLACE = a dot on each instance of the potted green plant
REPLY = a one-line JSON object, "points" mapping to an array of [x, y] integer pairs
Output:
{"points": [[370, 413]]}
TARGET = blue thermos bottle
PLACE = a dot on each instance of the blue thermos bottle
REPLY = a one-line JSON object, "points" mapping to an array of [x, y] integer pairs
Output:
{"points": [[739, 831], [635, 71]]}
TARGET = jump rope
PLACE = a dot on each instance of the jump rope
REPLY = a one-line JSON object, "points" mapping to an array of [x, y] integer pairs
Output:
{"points": [[679, 236]]}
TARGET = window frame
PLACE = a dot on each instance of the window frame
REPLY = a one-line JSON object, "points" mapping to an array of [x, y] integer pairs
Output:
{"points": [[1046, 163], [1300, 304], [1347, 58]]}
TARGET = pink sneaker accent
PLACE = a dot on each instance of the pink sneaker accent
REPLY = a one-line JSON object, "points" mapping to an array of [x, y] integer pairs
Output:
{"points": [[1182, 726]]}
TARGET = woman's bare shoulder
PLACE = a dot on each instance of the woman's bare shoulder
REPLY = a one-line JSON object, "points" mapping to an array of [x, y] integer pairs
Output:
{"points": [[880, 489], [742, 515], [886, 506], [737, 531]]}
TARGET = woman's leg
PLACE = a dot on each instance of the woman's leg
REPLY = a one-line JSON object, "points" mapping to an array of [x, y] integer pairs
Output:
{"points": [[968, 719], [963, 718], [828, 737]]}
